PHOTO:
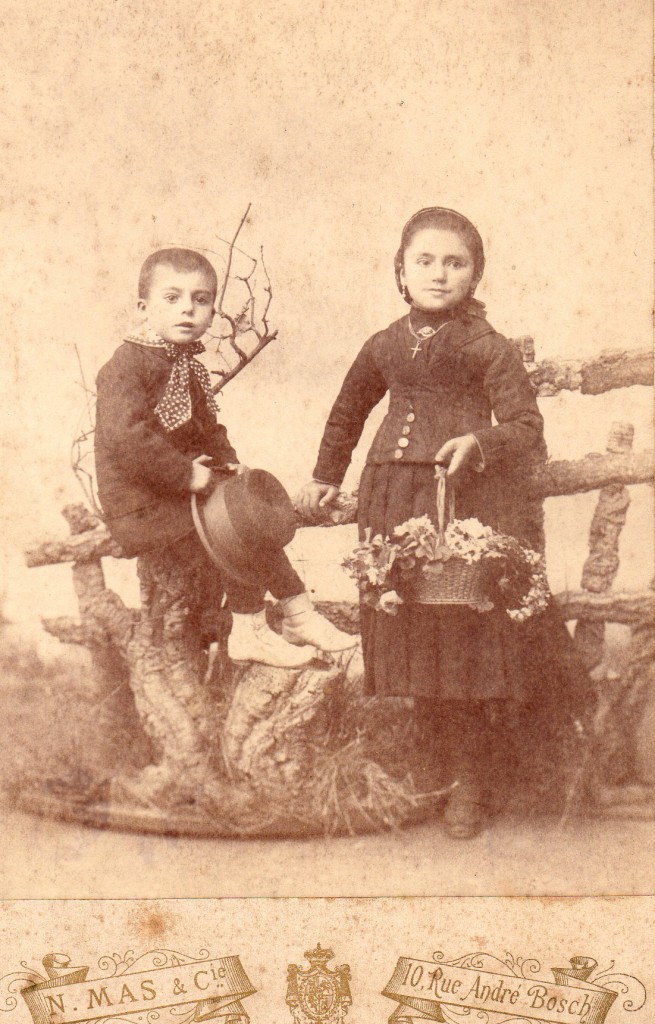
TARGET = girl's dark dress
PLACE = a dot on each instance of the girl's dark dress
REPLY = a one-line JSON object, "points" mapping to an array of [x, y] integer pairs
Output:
{"points": [[450, 387]]}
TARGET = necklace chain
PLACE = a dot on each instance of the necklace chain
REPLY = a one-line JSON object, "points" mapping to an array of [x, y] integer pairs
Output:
{"points": [[415, 334], [423, 336]]}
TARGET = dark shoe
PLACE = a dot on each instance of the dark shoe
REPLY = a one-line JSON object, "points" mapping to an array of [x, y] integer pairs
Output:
{"points": [[464, 816]]}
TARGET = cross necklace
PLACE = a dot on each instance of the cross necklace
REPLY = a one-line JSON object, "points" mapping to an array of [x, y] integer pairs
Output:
{"points": [[424, 334]]}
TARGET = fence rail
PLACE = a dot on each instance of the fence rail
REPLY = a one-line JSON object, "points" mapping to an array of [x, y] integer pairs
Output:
{"points": [[554, 479], [608, 371]]}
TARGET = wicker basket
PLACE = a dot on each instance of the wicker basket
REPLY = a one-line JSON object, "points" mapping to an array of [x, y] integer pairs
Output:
{"points": [[451, 582]]}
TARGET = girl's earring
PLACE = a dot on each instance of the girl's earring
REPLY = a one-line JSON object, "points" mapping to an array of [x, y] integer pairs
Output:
{"points": [[405, 294]]}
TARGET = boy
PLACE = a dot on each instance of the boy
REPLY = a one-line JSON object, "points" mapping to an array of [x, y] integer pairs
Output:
{"points": [[156, 432]]}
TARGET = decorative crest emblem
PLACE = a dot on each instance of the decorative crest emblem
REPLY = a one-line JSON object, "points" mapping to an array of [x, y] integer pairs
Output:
{"points": [[318, 994]]}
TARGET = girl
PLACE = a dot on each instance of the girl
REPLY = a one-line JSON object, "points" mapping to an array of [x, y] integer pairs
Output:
{"points": [[447, 371]]}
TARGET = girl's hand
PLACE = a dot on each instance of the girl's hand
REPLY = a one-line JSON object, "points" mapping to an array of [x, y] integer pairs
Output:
{"points": [[201, 475], [236, 467], [315, 496], [458, 453]]}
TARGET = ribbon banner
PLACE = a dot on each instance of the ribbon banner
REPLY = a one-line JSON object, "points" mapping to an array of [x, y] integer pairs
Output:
{"points": [[440, 991], [209, 988]]}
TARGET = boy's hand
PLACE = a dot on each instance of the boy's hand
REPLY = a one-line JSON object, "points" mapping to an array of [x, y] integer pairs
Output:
{"points": [[201, 474], [458, 454], [315, 496], [236, 467]]}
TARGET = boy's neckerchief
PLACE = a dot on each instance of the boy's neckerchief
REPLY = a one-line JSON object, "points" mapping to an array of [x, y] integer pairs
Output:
{"points": [[174, 407]]}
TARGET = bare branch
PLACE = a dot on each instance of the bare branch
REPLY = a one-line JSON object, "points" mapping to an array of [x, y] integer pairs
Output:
{"points": [[78, 455], [247, 316], [269, 293], [219, 304], [242, 252], [243, 358], [249, 306], [225, 377], [87, 391]]}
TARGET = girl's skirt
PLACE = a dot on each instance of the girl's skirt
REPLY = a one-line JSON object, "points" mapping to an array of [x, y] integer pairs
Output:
{"points": [[452, 652]]}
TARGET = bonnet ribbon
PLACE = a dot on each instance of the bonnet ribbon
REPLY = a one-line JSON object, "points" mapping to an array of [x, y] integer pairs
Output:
{"points": [[174, 407]]}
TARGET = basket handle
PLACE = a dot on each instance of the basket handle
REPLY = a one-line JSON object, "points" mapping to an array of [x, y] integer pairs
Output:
{"points": [[445, 499]]}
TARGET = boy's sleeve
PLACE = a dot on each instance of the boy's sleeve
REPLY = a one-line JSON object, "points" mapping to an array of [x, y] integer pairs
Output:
{"points": [[519, 427], [218, 444], [362, 389], [128, 431]]}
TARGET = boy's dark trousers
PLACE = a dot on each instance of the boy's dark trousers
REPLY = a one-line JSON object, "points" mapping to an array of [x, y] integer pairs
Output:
{"points": [[278, 576]]}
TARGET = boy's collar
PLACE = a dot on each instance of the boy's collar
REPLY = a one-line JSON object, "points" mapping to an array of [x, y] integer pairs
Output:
{"points": [[149, 338], [146, 336]]}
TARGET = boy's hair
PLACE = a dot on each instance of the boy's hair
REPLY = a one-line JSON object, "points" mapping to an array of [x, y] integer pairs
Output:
{"points": [[184, 260]]}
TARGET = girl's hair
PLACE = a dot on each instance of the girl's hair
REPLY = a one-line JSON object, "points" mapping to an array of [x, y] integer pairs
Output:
{"points": [[445, 220], [183, 260]]}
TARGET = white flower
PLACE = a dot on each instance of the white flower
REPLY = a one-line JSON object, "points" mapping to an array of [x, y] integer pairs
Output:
{"points": [[389, 602], [419, 523], [474, 528]]}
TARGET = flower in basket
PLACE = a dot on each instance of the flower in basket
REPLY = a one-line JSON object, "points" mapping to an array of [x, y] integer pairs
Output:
{"points": [[418, 539], [370, 566], [518, 574], [470, 540], [389, 602]]}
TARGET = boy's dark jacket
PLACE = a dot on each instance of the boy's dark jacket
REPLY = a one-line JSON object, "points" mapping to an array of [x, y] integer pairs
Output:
{"points": [[450, 388], [143, 472]]}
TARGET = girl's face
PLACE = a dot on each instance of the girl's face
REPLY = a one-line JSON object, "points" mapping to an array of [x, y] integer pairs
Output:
{"points": [[437, 270]]}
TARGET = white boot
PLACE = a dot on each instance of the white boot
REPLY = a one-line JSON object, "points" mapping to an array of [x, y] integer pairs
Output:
{"points": [[302, 624], [251, 639]]}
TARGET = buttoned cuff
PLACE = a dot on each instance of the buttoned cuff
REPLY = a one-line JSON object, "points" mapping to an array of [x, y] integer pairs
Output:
{"points": [[324, 469], [491, 443], [481, 463]]}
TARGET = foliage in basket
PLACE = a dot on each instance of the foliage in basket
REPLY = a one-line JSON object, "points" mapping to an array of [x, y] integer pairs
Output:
{"points": [[517, 574]]}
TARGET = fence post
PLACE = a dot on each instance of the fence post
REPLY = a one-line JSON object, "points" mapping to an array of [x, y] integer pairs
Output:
{"points": [[103, 616], [601, 566]]}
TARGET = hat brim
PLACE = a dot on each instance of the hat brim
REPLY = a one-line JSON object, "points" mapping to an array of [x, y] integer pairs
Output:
{"points": [[223, 545]]}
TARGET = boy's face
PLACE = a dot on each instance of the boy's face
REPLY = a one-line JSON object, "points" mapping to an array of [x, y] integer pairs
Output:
{"points": [[179, 305], [437, 269]]}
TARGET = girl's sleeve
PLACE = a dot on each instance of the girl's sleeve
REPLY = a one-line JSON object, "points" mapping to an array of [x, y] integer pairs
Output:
{"points": [[519, 427], [127, 430], [362, 389]]}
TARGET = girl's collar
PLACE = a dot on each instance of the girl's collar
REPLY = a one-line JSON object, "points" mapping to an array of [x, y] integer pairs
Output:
{"points": [[465, 312]]}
